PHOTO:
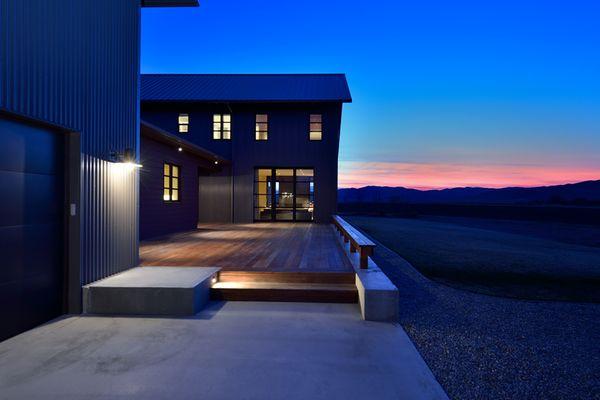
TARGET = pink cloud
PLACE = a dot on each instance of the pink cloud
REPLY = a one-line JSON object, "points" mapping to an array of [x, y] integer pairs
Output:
{"points": [[440, 175]]}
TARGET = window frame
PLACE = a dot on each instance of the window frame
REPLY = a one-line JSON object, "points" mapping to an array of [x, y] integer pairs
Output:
{"points": [[258, 131], [221, 131], [310, 127], [271, 194], [171, 179], [183, 127]]}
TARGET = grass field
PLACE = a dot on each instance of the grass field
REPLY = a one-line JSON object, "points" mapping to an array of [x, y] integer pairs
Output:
{"points": [[528, 260]]}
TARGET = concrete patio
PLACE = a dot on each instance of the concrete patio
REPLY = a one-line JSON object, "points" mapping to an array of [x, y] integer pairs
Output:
{"points": [[230, 350]]}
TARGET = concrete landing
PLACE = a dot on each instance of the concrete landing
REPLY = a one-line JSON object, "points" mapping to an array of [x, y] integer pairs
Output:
{"points": [[232, 350], [150, 291]]}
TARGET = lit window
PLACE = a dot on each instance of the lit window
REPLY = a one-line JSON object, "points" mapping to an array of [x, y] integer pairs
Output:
{"points": [[262, 127], [171, 175], [316, 127], [184, 123], [222, 126]]}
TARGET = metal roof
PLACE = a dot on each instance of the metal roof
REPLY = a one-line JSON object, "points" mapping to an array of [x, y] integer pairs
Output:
{"points": [[169, 3], [245, 87]]}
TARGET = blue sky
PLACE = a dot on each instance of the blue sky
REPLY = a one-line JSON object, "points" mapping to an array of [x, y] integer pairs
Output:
{"points": [[445, 93]]}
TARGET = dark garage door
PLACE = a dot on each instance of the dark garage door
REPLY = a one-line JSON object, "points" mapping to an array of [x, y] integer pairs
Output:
{"points": [[31, 226]]}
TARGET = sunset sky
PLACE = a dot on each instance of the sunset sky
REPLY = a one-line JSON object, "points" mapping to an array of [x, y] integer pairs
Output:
{"points": [[446, 94]]}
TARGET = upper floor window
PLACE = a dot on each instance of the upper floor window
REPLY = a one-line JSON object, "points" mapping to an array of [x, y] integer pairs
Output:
{"points": [[316, 127], [222, 126], [262, 127], [171, 175], [184, 123]]}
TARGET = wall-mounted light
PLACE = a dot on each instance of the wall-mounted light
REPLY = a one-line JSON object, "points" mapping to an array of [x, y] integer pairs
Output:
{"points": [[126, 157], [179, 149], [216, 162]]}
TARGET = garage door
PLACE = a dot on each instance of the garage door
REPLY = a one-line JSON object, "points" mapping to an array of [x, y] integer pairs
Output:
{"points": [[31, 226]]}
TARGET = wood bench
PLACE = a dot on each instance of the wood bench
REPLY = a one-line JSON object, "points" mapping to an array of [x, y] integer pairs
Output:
{"points": [[358, 241]]}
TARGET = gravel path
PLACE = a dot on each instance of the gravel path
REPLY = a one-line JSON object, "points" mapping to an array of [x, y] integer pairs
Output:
{"points": [[484, 347]]}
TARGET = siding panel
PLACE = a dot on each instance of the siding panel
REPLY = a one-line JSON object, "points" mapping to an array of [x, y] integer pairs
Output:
{"points": [[76, 63]]}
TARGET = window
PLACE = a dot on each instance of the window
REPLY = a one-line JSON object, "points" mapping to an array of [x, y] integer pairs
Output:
{"points": [[184, 123], [171, 175], [222, 126], [262, 127], [284, 194], [316, 127]]}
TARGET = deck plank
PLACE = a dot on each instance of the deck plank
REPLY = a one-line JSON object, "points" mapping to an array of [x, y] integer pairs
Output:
{"points": [[275, 247]]}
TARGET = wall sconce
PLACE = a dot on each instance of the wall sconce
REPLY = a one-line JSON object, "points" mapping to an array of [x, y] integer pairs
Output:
{"points": [[126, 157]]}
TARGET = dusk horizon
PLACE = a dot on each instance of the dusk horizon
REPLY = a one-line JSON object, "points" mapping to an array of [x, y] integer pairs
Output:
{"points": [[427, 188]]}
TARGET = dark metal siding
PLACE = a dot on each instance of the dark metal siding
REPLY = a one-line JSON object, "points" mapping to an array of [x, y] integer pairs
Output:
{"points": [[215, 196], [288, 146], [157, 217], [76, 63]]}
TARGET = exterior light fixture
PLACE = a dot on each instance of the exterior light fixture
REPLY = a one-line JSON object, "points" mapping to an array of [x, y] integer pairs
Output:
{"points": [[216, 162], [126, 157], [179, 149]]}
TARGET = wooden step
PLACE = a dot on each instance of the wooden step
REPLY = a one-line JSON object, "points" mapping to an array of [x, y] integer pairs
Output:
{"points": [[288, 277], [284, 291]]}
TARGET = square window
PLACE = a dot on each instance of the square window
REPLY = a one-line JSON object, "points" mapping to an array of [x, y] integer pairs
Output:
{"points": [[221, 126], [183, 128], [315, 129], [171, 182], [315, 135], [184, 119]]}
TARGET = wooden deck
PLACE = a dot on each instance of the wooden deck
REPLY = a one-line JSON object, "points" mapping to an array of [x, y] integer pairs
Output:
{"points": [[267, 247]]}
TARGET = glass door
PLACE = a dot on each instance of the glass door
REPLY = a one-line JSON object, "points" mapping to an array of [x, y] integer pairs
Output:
{"points": [[305, 195], [284, 194]]}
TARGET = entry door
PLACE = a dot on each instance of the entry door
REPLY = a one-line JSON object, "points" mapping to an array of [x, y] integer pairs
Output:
{"points": [[284, 194], [31, 226]]}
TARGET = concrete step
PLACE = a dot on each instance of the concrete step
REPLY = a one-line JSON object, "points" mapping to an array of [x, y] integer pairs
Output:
{"points": [[285, 291], [288, 277], [151, 291]]}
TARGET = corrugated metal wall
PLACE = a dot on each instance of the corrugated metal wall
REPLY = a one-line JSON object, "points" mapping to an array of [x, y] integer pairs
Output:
{"points": [[76, 63]]}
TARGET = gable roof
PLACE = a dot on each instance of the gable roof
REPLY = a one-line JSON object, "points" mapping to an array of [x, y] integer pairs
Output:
{"points": [[245, 87]]}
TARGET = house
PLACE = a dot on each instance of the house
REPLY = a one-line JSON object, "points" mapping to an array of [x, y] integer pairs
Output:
{"points": [[273, 141], [69, 116]]}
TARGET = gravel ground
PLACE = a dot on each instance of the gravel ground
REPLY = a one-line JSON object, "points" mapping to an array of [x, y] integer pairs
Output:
{"points": [[484, 347]]}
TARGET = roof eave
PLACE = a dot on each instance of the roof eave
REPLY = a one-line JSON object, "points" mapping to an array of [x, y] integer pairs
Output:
{"points": [[170, 3], [213, 101], [154, 132]]}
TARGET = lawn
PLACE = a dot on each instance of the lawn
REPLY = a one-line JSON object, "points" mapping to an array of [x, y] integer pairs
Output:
{"points": [[491, 347], [526, 260]]}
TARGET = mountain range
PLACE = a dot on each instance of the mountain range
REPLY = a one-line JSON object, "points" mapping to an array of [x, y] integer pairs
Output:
{"points": [[582, 193]]}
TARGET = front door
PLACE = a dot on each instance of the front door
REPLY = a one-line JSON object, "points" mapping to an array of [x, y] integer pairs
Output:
{"points": [[284, 194]]}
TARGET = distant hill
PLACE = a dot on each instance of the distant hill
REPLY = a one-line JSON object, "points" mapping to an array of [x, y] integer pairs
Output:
{"points": [[582, 193]]}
